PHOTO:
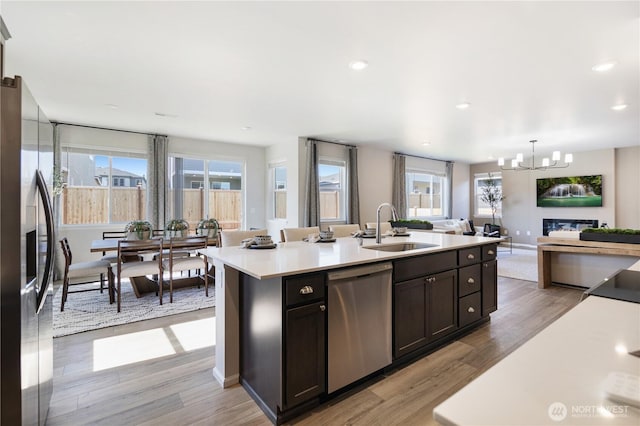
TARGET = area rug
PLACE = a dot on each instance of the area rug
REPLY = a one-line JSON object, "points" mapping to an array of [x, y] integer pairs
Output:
{"points": [[522, 264], [91, 310]]}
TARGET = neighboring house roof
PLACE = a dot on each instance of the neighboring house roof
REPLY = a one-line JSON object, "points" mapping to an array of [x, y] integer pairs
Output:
{"points": [[104, 171]]}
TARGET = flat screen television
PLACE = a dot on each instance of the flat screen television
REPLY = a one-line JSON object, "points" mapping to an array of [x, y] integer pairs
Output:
{"points": [[571, 191]]}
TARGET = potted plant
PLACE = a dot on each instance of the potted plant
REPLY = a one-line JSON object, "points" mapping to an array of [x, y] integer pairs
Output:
{"points": [[176, 228], [411, 224], [138, 230], [492, 195], [611, 235], [208, 227]]}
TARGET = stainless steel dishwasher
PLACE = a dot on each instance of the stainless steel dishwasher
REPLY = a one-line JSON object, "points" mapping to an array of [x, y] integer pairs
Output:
{"points": [[359, 329]]}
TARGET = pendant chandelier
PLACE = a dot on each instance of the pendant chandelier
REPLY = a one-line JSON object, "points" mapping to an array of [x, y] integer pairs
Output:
{"points": [[518, 162]]}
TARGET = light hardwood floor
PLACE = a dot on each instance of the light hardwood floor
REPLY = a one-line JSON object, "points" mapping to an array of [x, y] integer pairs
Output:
{"points": [[148, 372]]}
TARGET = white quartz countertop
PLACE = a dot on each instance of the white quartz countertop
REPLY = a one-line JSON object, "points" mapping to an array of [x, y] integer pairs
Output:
{"points": [[300, 257], [567, 364]]}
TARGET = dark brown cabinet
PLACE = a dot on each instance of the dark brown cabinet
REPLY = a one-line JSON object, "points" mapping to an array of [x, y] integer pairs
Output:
{"points": [[410, 316], [283, 342], [489, 287], [304, 353], [443, 304], [425, 309]]}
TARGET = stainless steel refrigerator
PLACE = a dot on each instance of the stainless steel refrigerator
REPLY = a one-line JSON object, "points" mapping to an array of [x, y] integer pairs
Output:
{"points": [[27, 247]]}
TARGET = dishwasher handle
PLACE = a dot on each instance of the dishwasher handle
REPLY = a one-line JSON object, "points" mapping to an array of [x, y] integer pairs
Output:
{"points": [[359, 271]]}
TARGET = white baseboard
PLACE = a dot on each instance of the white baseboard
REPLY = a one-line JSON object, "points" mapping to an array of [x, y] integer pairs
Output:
{"points": [[225, 382]]}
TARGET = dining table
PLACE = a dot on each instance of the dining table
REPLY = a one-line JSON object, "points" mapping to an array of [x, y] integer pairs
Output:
{"points": [[142, 285]]}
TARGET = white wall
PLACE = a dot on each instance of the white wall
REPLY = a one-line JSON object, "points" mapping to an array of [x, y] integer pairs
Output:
{"points": [[375, 182], [628, 187], [461, 205], [519, 211]]}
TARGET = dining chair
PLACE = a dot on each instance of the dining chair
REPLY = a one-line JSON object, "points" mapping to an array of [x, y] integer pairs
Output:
{"points": [[234, 238], [344, 230], [384, 226], [112, 257], [132, 263], [298, 234], [175, 261], [83, 270]]}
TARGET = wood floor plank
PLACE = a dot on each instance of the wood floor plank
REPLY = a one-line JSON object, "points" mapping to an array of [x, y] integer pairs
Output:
{"points": [[179, 389]]}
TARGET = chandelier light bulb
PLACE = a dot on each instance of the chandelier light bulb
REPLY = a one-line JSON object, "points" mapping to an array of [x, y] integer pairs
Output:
{"points": [[568, 158], [501, 161], [514, 163], [545, 162], [556, 156], [519, 157]]}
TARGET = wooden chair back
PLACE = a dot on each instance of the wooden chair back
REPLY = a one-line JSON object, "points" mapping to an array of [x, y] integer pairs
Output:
{"points": [[344, 230], [234, 238], [297, 234]]}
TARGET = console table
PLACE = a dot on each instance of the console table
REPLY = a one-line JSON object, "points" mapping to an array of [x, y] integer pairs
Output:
{"points": [[549, 245]]}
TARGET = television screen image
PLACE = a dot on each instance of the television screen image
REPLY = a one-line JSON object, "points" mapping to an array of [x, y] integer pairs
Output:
{"points": [[572, 191]]}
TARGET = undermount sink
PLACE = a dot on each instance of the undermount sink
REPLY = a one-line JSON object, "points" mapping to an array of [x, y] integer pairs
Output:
{"points": [[400, 246]]}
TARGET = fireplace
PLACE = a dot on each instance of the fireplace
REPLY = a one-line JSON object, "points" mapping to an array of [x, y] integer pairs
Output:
{"points": [[567, 225]]}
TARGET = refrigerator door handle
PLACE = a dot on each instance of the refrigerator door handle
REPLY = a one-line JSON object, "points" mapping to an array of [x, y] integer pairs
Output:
{"points": [[48, 268]]}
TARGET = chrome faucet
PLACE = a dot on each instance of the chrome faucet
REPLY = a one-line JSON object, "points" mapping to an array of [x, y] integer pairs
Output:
{"points": [[394, 216]]}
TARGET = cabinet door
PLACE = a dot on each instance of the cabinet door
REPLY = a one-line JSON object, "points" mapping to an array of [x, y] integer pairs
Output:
{"points": [[304, 353], [443, 303], [410, 316], [489, 287]]}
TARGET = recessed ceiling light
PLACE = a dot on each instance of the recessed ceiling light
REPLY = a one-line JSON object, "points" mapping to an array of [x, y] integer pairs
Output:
{"points": [[604, 67], [165, 115], [426, 143], [463, 105], [246, 128], [358, 65], [619, 107], [112, 106]]}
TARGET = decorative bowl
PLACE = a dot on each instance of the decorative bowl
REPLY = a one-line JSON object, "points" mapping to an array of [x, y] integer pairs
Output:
{"points": [[263, 239], [326, 235]]}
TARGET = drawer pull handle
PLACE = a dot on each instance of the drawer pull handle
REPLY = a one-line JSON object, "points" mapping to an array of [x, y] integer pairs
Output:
{"points": [[491, 252], [323, 308], [471, 256], [471, 281], [307, 289], [471, 310]]}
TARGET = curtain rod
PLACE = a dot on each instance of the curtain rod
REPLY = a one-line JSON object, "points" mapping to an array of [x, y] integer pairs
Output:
{"points": [[424, 158], [335, 143], [106, 128]]}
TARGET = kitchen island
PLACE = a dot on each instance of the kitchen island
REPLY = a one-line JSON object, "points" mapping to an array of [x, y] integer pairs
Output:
{"points": [[276, 321]]}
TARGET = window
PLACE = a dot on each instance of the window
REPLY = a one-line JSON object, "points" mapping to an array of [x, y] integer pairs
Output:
{"points": [[103, 175], [332, 183], [483, 209], [87, 197], [279, 179], [191, 199], [425, 194]]}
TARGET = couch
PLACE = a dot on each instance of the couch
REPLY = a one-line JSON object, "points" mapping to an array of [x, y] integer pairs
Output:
{"points": [[458, 226]]}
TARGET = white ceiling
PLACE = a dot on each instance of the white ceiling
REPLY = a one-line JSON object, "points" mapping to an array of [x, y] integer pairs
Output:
{"points": [[281, 68]]}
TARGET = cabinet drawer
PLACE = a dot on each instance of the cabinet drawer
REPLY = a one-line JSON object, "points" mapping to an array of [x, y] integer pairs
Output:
{"points": [[469, 256], [469, 309], [469, 279], [414, 267], [303, 289], [489, 251]]}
